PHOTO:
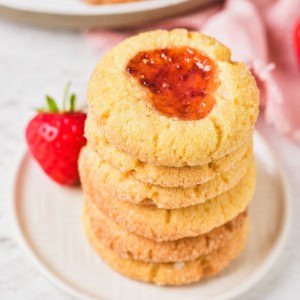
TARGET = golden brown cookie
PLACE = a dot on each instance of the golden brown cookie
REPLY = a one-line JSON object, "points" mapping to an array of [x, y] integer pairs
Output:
{"points": [[130, 245], [179, 273], [162, 224], [124, 187], [126, 106], [159, 175]]}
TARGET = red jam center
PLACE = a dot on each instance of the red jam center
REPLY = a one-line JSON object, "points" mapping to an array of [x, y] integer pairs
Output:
{"points": [[181, 81]]}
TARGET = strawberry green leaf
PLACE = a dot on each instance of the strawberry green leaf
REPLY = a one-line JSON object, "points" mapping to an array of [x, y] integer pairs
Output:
{"points": [[52, 104], [72, 102]]}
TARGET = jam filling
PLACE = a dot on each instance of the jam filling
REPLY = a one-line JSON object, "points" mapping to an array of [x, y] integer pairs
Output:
{"points": [[181, 81]]}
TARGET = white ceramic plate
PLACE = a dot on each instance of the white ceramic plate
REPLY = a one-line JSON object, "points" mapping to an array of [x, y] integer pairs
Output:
{"points": [[79, 7], [76, 13], [47, 220]]}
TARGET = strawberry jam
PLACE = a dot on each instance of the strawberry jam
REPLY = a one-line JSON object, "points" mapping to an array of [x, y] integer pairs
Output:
{"points": [[181, 81]]}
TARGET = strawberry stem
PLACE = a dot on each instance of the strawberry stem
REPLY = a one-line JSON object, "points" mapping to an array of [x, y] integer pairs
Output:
{"points": [[65, 96], [67, 107]]}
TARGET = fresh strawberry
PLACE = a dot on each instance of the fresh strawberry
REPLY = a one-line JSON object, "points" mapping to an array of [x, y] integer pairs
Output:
{"points": [[55, 137], [297, 40]]}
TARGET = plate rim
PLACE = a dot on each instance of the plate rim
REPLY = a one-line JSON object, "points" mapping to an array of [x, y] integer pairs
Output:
{"points": [[252, 280], [93, 10]]}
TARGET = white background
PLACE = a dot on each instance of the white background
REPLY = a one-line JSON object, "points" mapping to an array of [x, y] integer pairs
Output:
{"points": [[36, 61]]}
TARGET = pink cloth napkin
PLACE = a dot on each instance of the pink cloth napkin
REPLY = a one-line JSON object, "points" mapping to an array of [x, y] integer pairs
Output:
{"points": [[260, 33]]}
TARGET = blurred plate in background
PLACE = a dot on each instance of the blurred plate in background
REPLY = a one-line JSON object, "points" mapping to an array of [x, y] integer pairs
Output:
{"points": [[75, 13]]}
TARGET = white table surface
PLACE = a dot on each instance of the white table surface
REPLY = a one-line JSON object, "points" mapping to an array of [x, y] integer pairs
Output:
{"points": [[37, 61]]}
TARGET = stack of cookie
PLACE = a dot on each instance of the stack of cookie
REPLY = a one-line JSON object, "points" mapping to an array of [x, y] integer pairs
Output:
{"points": [[168, 171]]}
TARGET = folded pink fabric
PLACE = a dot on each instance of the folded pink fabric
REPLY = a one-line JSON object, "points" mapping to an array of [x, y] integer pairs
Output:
{"points": [[260, 33]]}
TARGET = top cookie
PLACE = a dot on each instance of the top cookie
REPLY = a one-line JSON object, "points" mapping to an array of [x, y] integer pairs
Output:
{"points": [[173, 98]]}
